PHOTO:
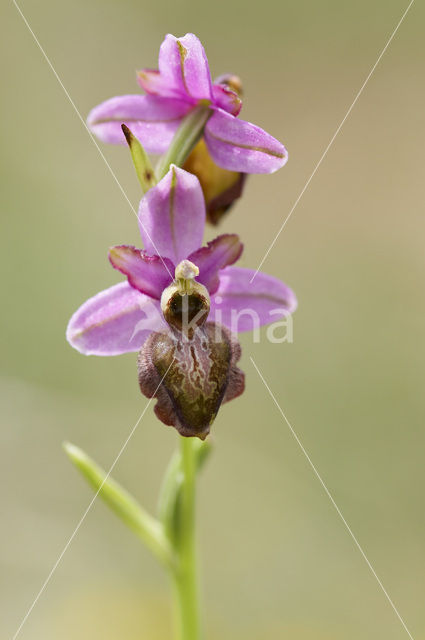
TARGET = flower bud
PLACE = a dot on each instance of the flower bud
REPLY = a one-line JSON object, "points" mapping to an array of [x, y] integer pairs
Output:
{"points": [[220, 186], [190, 378], [141, 161], [233, 82], [185, 304]]}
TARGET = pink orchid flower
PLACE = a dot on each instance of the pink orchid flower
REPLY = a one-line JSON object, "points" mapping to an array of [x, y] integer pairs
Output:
{"points": [[183, 82], [172, 220], [177, 306]]}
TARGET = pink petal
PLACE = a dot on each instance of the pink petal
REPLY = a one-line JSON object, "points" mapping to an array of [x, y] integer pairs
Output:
{"points": [[242, 305], [152, 82], [117, 320], [184, 68], [226, 99], [149, 274], [172, 216], [219, 253], [152, 119], [238, 145]]}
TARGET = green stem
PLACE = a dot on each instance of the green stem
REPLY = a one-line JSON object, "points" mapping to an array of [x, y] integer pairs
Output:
{"points": [[186, 580], [185, 138]]}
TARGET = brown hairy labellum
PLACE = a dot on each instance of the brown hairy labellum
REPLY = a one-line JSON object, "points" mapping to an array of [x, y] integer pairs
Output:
{"points": [[190, 376]]}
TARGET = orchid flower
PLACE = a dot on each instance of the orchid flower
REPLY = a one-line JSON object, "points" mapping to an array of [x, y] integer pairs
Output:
{"points": [[182, 83], [122, 318]]}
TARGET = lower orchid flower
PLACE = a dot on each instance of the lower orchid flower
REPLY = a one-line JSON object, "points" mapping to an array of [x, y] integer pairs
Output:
{"points": [[179, 306], [183, 83]]}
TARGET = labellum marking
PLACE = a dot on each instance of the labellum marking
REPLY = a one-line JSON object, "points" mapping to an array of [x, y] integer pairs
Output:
{"points": [[198, 374]]}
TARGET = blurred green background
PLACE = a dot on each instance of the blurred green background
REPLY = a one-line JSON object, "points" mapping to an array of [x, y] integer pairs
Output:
{"points": [[277, 560]]}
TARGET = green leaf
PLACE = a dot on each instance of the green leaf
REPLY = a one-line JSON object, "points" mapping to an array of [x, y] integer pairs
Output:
{"points": [[170, 494], [142, 164], [146, 527], [203, 449]]}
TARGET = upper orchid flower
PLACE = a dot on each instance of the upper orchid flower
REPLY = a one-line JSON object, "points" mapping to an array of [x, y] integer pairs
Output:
{"points": [[173, 274], [182, 83]]}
